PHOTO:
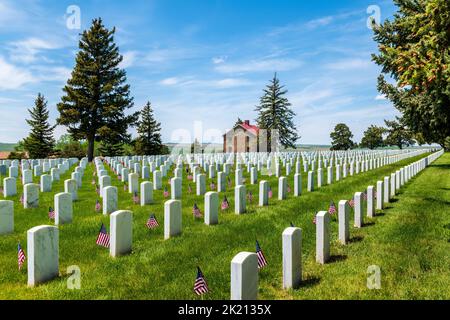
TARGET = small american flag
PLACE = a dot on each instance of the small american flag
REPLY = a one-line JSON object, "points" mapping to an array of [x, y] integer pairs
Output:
{"points": [[103, 237], [135, 198], [119, 177], [225, 205], [152, 223], [262, 262], [189, 188], [270, 173], [196, 211], [364, 194], [229, 182], [212, 186], [250, 196], [166, 193], [270, 192], [21, 199], [20, 256], [97, 189], [288, 189], [352, 202], [97, 206], [332, 208], [51, 213], [200, 285], [190, 177], [314, 219], [125, 187], [1, 189]]}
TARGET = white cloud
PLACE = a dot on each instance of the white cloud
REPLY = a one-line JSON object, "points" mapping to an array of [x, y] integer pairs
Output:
{"points": [[259, 66], [27, 50], [230, 83], [12, 77], [170, 81], [8, 14], [321, 22], [128, 59], [380, 97], [218, 60], [348, 64]]}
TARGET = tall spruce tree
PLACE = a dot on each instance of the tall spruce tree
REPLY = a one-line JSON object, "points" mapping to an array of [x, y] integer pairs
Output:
{"points": [[97, 96], [40, 142], [149, 131], [414, 50], [274, 113], [373, 137]]}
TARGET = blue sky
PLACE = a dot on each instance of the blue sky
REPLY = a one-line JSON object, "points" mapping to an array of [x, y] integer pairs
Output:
{"points": [[203, 63]]}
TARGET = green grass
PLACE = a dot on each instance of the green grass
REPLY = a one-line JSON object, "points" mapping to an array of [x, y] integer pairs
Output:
{"points": [[409, 240]]}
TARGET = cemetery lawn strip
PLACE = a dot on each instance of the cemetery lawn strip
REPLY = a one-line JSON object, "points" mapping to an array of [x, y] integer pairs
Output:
{"points": [[409, 242]]}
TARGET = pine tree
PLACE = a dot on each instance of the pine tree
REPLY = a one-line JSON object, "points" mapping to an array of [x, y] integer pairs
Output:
{"points": [[40, 141], [414, 50], [341, 137], [97, 96], [149, 131], [274, 113]]}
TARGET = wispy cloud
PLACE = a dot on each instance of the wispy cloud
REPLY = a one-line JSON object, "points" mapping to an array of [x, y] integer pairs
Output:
{"points": [[259, 66], [212, 83], [349, 64], [219, 60], [13, 77], [380, 97], [129, 58], [27, 50]]}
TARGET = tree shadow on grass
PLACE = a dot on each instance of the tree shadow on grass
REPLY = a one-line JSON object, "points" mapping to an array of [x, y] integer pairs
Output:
{"points": [[437, 200], [445, 189], [309, 282], [442, 166], [369, 224], [356, 239], [380, 214], [337, 258], [393, 200]]}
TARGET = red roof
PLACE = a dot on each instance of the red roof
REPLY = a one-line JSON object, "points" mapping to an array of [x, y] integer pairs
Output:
{"points": [[249, 127]]}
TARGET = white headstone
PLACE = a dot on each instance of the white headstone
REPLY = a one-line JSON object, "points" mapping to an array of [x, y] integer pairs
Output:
{"points": [[63, 208], [292, 258], [343, 217], [146, 193], [121, 227], [240, 194], [172, 218], [263, 193], [31, 195], [322, 237], [70, 186], [244, 276], [211, 208], [9, 187], [370, 201], [359, 210], [46, 183], [110, 199], [297, 185], [43, 254], [6, 217]]}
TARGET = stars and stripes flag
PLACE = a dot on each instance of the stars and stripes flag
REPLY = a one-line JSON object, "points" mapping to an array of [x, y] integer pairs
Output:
{"points": [[190, 177], [314, 219], [270, 192], [229, 182], [270, 173], [212, 186], [103, 237], [97, 205], [288, 189], [196, 211], [364, 194], [189, 188], [332, 208], [262, 262], [152, 223], [97, 189], [125, 187], [135, 198], [21, 198], [250, 196], [1, 189], [119, 177], [225, 205], [166, 193], [200, 285], [20, 256], [51, 213]]}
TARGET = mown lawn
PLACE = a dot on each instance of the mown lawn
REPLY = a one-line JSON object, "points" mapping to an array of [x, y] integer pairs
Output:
{"points": [[409, 240]]}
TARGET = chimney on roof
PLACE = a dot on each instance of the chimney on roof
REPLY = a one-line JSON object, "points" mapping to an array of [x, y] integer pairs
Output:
{"points": [[247, 122]]}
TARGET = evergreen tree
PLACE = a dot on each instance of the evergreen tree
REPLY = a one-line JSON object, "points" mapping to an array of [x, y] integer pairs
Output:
{"points": [[274, 113], [398, 134], [40, 141], [414, 50], [196, 147], [341, 137], [97, 96], [149, 131], [238, 122], [373, 138]]}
